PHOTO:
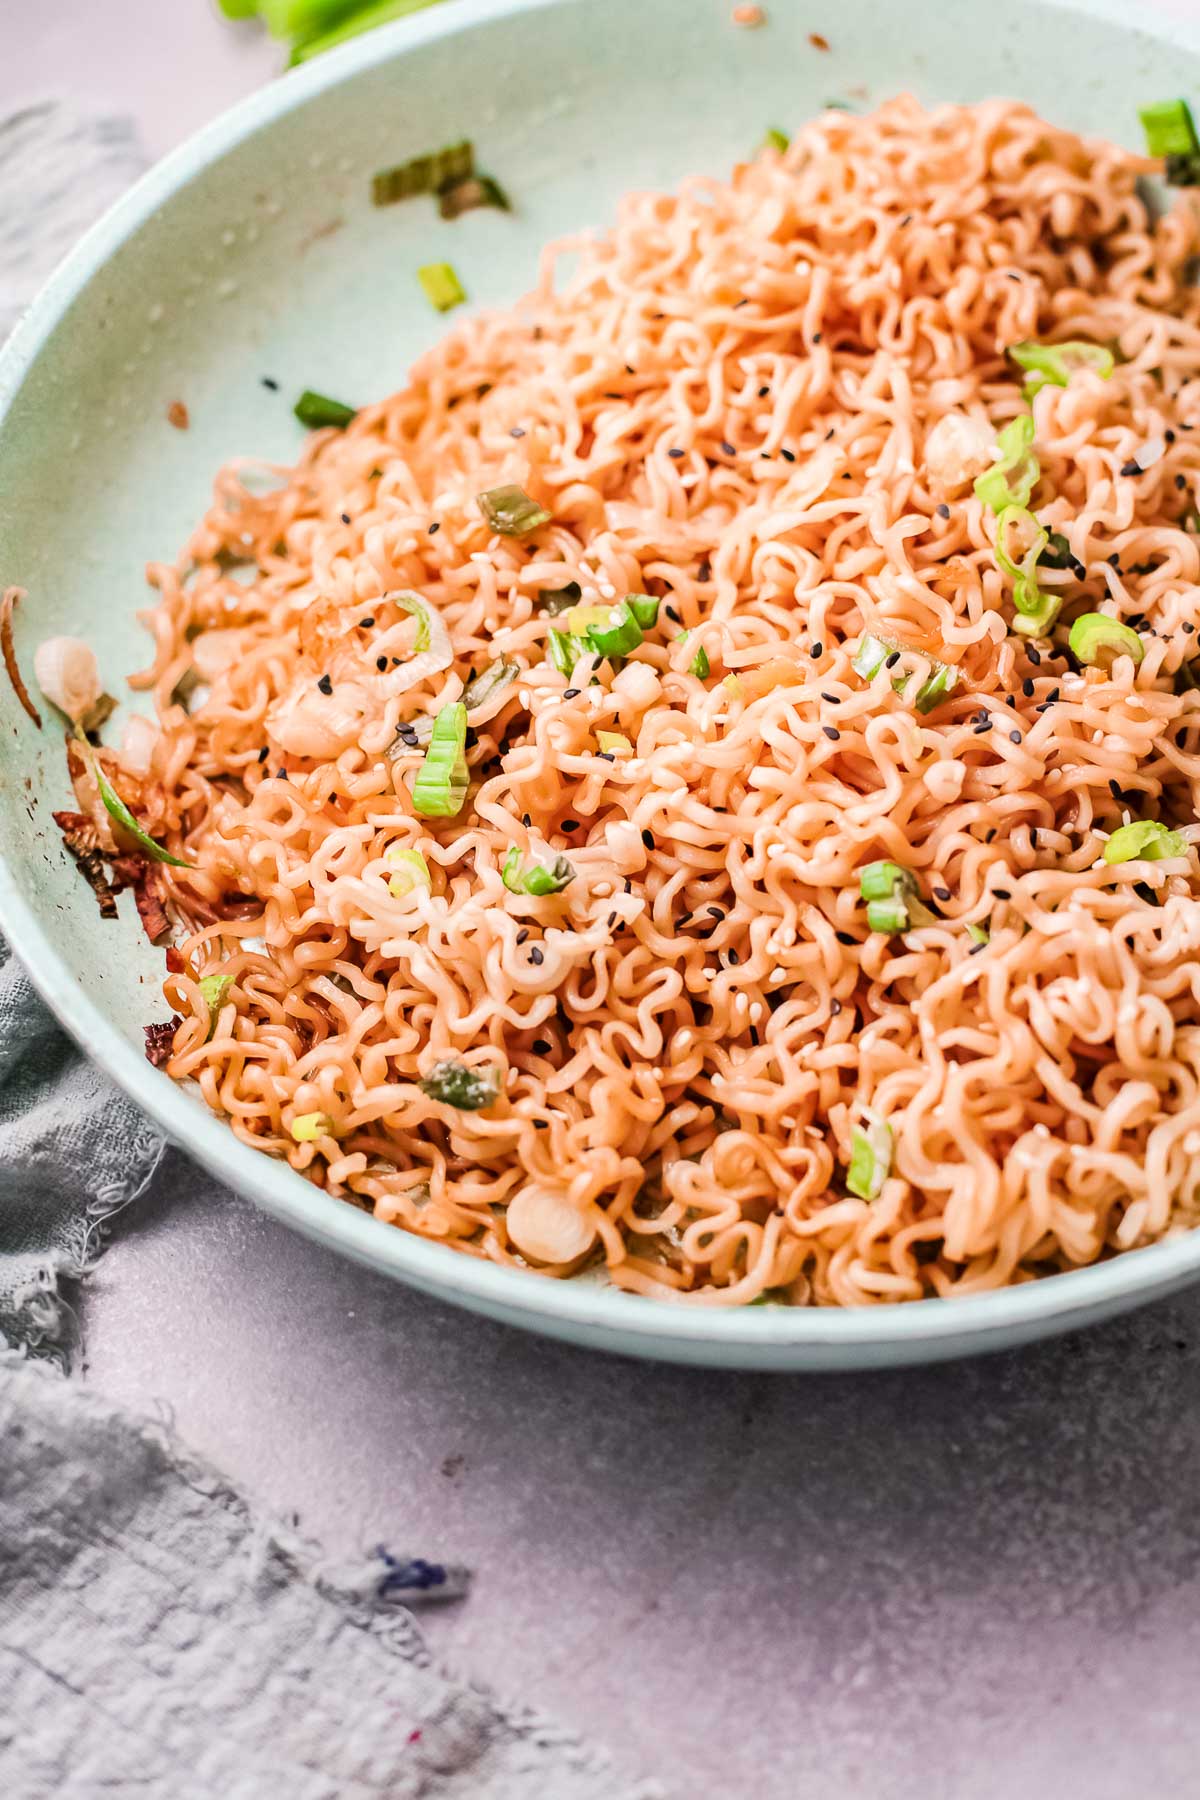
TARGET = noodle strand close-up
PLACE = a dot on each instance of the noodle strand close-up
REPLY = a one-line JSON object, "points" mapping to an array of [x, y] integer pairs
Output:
{"points": [[701, 785]]}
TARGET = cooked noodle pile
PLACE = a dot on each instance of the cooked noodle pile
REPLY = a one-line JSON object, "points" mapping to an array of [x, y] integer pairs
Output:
{"points": [[728, 402]]}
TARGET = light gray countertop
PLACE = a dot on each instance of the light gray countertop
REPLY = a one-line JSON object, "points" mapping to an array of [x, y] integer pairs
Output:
{"points": [[970, 1582]]}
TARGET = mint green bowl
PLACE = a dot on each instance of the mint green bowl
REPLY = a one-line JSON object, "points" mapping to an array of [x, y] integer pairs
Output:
{"points": [[254, 251]]}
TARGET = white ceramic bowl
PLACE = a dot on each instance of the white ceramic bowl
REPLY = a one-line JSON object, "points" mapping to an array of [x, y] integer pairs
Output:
{"points": [[253, 251]]}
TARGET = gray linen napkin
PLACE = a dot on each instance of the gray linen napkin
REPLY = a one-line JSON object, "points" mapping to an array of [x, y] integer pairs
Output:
{"points": [[157, 1637]]}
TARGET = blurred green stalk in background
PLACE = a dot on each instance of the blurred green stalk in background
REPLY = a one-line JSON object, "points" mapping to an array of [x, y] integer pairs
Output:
{"points": [[311, 26]]}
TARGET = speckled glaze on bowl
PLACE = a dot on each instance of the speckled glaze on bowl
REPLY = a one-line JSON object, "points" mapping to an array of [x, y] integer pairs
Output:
{"points": [[253, 251]]}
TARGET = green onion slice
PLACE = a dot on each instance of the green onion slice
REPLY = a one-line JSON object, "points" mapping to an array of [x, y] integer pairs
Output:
{"points": [[442, 779], [308, 1127], [116, 809], [318, 410], [893, 898], [871, 1148], [699, 665], [489, 682], [1058, 553], [565, 651], [1096, 638], [424, 174], [977, 934], [619, 634], [1036, 610], [937, 686], [1012, 477], [468, 1090], [511, 512], [466, 195], [442, 287], [559, 600], [1144, 840], [214, 988], [538, 879], [1170, 129], [410, 871], [774, 139], [1052, 364], [644, 608]]}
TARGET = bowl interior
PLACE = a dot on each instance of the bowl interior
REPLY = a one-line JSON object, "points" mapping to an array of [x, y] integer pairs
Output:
{"points": [[255, 253]]}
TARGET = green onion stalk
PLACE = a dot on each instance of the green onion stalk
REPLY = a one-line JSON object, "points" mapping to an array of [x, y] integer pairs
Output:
{"points": [[871, 1149], [935, 687], [893, 898], [1013, 476], [1144, 840], [1052, 364], [442, 780], [1098, 640]]}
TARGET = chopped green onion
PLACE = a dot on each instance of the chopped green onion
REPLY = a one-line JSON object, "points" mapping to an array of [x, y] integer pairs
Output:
{"points": [[699, 665], [318, 410], [565, 652], [941, 681], [300, 18], [442, 287], [442, 779], [1058, 553], [238, 9], [644, 608], [421, 611], [468, 1090], [612, 741], [424, 174], [489, 682], [893, 898], [559, 600], [580, 619], [214, 989], [411, 871], [465, 196], [1144, 840], [511, 512], [775, 139], [1097, 638], [620, 633], [360, 19], [977, 934], [1169, 127], [1012, 477], [870, 1157], [778, 1296], [537, 880], [1051, 364], [310, 1126], [1027, 596], [116, 809]]}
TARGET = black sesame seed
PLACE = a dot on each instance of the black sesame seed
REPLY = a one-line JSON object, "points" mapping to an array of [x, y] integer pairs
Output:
{"points": [[975, 949], [835, 1007], [611, 394], [728, 449], [717, 912], [889, 662], [844, 937], [817, 650], [766, 455], [941, 893], [1132, 467], [733, 957], [570, 824], [1188, 628], [1181, 482], [611, 921], [675, 453], [831, 732], [526, 820], [541, 1124], [942, 510], [704, 571], [522, 935], [1114, 561], [1002, 893], [763, 392], [1114, 788], [1010, 700], [381, 663], [673, 615], [605, 756], [396, 661], [281, 774], [571, 693], [787, 455], [1053, 695], [829, 434], [985, 726], [1169, 435], [744, 301], [817, 337], [516, 431], [366, 624], [325, 685], [1027, 687], [345, 518], [648, 838], [535, 955], [269, 381], [1035, 656], [434, 528], [264, 753], [629, 369], [1015, 737], [833, 699], [1033, 836]]}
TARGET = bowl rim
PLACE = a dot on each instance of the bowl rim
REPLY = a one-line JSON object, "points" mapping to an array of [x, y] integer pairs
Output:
{"points": [[573, 1308]]}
